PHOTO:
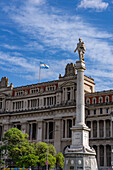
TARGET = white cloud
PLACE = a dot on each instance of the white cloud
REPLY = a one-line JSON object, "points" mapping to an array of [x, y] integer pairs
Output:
{"points": [[94, 4], [10, 47], [60, 32]]}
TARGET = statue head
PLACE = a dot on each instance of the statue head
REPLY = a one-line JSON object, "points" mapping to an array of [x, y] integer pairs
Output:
{"points": [[80, 40]]}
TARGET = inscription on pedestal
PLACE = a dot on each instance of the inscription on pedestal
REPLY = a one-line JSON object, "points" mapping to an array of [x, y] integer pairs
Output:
{"points": [[77, 138]]}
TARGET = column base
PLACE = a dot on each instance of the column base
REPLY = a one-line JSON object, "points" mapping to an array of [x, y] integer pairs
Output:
{"points": [[80, 161]]}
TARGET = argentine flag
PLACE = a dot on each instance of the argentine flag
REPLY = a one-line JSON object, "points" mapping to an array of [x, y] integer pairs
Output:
{"points": [[44, 66]]}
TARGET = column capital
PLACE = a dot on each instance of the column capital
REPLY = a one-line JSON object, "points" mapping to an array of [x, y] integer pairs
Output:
{"points": [[80, 65]]}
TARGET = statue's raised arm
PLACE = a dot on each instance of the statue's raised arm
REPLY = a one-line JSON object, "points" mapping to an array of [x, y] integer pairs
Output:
{"points": [[81, 49]]}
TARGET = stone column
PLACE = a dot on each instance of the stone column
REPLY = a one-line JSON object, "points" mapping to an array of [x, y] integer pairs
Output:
{"points": [[24, 127], [65, 128], [39, 130], [57, 134], [104, 128], [111, 153], [80, 110], [65, 94], [105, 155], [98, 155], [91, 129], [111, 128], [98, 130]]}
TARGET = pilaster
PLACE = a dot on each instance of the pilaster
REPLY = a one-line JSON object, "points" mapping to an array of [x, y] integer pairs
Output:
{"points": [[57, 134], [97, 128], [104, 128], [39, 130], [105, 155]]}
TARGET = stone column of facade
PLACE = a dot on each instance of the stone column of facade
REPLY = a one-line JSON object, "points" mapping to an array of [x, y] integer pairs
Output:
{"points": [[39, 130], [111, 129], [91, 129], [98, 129], [98, 154], [24, 127], [57, 134], [104, 128], [65, 94], [65, 128], [105, 156], [80, 155], [111, 153]]}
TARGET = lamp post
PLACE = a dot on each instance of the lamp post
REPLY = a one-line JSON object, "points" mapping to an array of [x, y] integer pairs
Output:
{"points": [[48, 147]]}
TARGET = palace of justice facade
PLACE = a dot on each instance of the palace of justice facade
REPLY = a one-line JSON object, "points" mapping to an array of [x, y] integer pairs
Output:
{"points": [[46, 111]]}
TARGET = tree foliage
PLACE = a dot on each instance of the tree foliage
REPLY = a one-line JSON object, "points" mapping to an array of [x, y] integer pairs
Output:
{"points": [[26, 154], [60, 160]]}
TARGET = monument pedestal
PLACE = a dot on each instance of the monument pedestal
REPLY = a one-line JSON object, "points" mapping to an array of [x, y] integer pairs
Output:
{"points": [[80, 156]]}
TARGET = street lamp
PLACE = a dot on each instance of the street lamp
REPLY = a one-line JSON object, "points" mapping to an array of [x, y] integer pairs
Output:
{"points": [[48, 147]]}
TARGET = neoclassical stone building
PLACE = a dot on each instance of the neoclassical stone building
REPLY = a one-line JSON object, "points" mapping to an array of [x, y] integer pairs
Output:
{"points": [[47, 111]]}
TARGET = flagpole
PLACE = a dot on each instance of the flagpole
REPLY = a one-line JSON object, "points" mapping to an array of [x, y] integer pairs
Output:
{"points": [[39, 72]]}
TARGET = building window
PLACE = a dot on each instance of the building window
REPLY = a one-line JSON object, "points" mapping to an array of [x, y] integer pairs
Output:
{"points": [[68, 94], [107, 110], [89, 125], [101, 155], [107, 99], [100, 99], [94, 111], [88, 101], [94, 100], [44, 101], [107, 128], [94, 128], [50, 130], [88, 112], [101, 110], [101, 129], [108, 155], [63, 128], [69, 126], [34, 131], [0, 103], [0, 133], [33, 103], [46, 130], [95, 148], [19, 126]]}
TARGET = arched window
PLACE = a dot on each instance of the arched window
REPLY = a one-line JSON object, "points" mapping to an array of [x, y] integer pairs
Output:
{"points": [[94, 100], [108, 155], [101, 128], [88, 101], [101, 155], [107, 128], [100, 99], [107, 99], [94, 128]]}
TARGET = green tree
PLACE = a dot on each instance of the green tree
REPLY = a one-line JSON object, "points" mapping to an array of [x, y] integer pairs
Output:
{"points": [[22, 152], [41, 151], [25, 154], [27, 160], [60, 160]]}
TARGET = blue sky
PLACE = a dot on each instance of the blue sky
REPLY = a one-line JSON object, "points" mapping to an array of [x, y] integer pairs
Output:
{"points": [[48, 30]]}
